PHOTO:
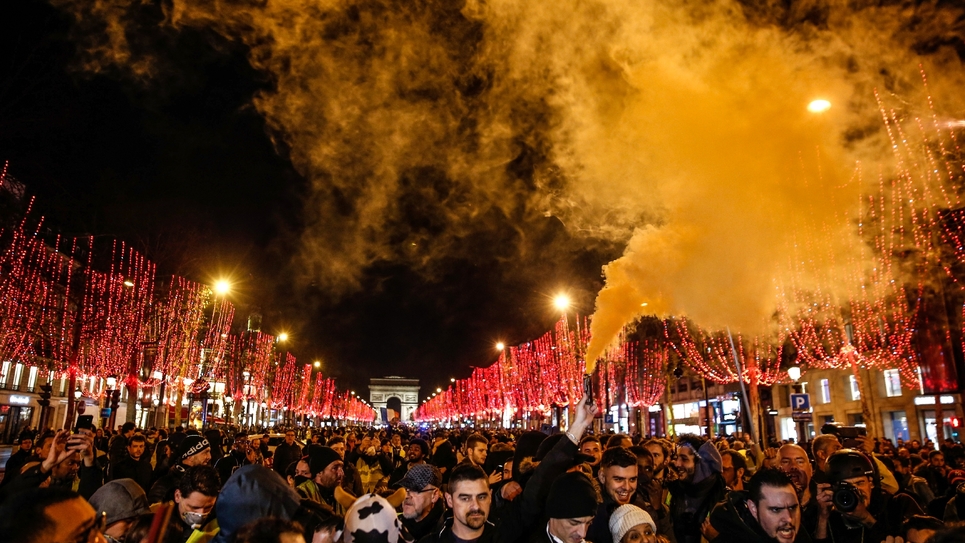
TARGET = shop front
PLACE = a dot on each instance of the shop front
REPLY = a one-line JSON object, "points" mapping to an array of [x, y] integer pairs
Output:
{"points": [[16, 414]]}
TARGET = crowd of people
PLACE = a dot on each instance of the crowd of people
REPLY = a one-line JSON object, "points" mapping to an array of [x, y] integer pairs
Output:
{"points": [[407, 484]]}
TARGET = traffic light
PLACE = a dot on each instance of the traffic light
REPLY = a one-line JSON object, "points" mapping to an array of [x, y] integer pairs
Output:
{"points": [[956, 422], [45, 391]]}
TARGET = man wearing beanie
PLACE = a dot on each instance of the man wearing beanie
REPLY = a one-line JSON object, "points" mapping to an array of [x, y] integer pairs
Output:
{"points": [[630, 522], [571, 506], [194, 450], [121, 501], [326, 467], [470, 498]]}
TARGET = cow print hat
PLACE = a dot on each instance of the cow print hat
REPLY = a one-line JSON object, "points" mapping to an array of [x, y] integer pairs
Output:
{"points": [[372, 519]]}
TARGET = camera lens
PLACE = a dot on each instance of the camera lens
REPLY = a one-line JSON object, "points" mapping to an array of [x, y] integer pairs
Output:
{"points": [[845, 498]]}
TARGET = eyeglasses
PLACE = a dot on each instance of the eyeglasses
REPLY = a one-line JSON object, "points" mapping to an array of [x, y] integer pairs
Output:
{"points": [[410, 491], [97, 526]]}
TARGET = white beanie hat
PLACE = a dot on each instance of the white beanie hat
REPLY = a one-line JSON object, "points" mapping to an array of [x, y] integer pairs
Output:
{"points": [[625, 517]]}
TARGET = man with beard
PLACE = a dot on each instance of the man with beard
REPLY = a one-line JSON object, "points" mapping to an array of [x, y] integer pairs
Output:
{"points": [[660, 451], [327, 470], [422, 509], [768, 511], [618, 480], [70, 464], [649, 495], [351, 481], [698, 487], [876, 514], [235, 458], [416, 454], [911, 484], [793, 461], [733, 467]]}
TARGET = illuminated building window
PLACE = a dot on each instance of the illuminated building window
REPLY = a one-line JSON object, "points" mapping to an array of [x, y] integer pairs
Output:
{"points": [[855, 389], [892, 383], [825, 391]]}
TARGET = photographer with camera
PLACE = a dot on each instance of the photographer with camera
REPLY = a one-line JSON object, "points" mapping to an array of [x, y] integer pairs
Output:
{"points": [[853, 507]]}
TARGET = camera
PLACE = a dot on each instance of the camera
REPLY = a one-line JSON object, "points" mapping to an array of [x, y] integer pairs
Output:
{"points": [[846, 434], [845, 497]]}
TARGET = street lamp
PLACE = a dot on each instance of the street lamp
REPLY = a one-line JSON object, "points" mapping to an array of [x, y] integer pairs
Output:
{"points": [[794, 372], [562, 302], [500, 346], [283, 337], [222, 287]]}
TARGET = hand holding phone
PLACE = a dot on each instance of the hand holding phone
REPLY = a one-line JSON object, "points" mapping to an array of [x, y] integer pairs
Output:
{"points": [[588, 389]]}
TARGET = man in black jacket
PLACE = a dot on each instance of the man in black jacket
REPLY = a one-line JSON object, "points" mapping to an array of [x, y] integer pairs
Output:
{"points": [[875, 515], [699, 486], [470, 498], [118, 446], [423, 507], [136, 466], [235, 458], [17, 460], [286, 453], [570, 507], [193, 451], [767, 512], [618, 481], [70, 462]]}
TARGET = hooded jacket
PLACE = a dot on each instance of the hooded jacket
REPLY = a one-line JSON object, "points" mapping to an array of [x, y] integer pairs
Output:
{"points": [[735, 523], [251, 493], [691, 502]]}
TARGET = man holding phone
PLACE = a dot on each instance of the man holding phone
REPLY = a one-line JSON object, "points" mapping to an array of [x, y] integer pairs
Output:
{"points": [[70, 456]]}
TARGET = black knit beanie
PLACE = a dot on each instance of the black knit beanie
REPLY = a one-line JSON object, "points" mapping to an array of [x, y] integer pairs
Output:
{"points": [[572, 496], [320, 458]]}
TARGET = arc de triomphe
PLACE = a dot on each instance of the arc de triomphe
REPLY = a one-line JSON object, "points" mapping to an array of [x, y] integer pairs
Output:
{"points": [[385, 391]]}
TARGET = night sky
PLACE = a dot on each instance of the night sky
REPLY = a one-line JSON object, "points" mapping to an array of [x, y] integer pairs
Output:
{"points": [[184, 168]]}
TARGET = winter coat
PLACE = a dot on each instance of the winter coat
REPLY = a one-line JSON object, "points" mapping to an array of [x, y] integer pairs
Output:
{"points": [[139, 470], [889, 513], [691, 503]]}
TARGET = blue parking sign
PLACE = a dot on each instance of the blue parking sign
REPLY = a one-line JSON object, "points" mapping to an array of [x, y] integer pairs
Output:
{"points": [[800, 402]]}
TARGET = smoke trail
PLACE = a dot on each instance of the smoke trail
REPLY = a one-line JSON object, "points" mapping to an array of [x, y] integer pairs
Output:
{"points": [[679, 126]]}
